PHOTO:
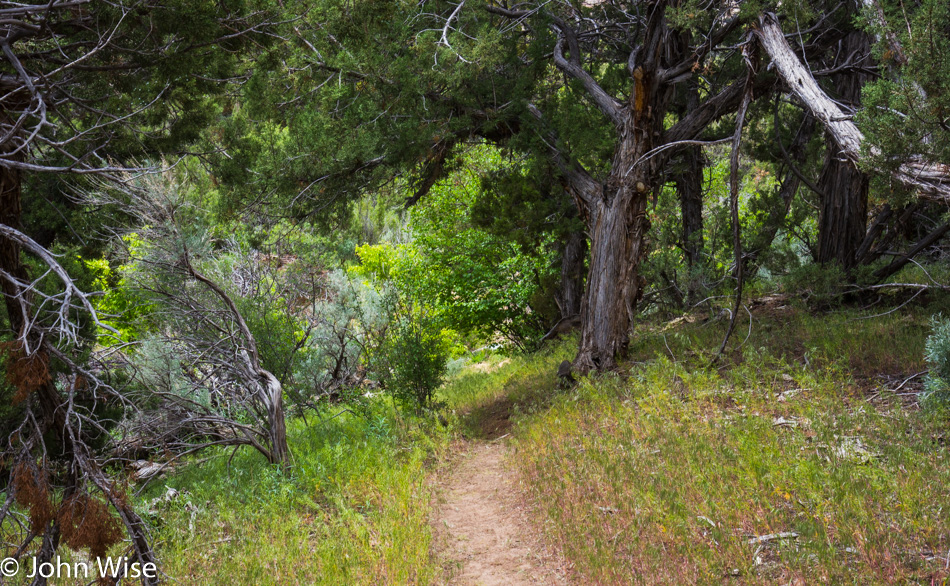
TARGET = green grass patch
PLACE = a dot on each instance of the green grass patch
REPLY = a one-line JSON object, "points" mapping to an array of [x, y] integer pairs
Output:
{"points": [[663, 475], [352, 510]]}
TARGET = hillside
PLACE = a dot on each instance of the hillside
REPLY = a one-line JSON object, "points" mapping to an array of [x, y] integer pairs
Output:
{"points": [[802, 458]]}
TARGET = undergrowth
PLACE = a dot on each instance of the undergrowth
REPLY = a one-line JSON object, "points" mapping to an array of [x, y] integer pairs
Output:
{"points": [[353, 509], [800, 458]]}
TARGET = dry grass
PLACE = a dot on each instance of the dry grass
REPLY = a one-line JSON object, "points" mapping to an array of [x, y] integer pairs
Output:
{"points": [[664, 474]]}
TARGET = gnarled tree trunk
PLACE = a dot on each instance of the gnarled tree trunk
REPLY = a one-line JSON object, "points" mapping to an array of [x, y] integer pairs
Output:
{"points": [[617, 223], [571, 290], [615, 211], [276, 424], [618, 231], [842, 221]]}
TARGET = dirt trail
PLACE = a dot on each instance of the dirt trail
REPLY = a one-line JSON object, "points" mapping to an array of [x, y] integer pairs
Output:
{"points": [[480, 525]]}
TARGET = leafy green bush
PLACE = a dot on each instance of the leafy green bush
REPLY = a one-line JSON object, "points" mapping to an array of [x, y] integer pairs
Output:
{"points": [[937, 352], [413, 359]]}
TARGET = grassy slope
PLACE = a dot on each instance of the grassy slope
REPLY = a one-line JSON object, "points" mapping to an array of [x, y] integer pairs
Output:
{"points": [[659, 476], [664, 476]]}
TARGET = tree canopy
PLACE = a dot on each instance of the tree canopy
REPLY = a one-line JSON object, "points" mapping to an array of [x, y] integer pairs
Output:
{"points": [[305, 203]]}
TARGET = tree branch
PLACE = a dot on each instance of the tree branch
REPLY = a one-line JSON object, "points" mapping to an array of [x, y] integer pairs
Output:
{"points": [[608, 105], [930, 179], [583, 186]]}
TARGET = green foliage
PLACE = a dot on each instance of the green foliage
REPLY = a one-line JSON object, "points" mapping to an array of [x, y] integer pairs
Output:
{"points": [[820, 286], [906, 110], [774, 249], [479, 281], [364, 86], [376, 261], [937, 351], [413, 359], [121, 306]]}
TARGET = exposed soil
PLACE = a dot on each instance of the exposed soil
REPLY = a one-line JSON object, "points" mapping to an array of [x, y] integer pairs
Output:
{"points": [[493, 420], [481, 528]]}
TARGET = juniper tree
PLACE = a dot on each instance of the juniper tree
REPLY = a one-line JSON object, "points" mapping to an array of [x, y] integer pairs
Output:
{"points": [[612, 93], [85, 88]]}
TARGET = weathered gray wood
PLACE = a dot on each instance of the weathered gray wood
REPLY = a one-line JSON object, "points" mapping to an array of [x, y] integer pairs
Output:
{"points": [[931, 180]]}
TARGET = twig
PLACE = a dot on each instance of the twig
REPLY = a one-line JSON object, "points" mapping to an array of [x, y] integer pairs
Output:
{"points": [[773, 537], [668, 348], [907, 380], [914, 296], [734, 191]]}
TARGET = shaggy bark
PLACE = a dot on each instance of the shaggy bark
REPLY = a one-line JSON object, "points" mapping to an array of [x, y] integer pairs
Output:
{"points": [[618, 226], [571, 291], [842, 221]]}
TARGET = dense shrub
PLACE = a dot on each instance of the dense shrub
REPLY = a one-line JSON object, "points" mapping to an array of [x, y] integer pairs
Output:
{"points": [[413, 360], [937, 352]]}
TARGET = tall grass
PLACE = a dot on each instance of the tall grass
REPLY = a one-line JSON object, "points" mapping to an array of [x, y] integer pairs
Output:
{"points": [[669, 473], [353, 509], [659, 474]]}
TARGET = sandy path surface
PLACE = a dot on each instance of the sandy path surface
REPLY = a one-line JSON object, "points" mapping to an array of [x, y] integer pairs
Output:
{"points": [[481, 530]]}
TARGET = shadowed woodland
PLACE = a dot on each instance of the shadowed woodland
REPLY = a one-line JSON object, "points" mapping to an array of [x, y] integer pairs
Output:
{"points": [[271, 270]]}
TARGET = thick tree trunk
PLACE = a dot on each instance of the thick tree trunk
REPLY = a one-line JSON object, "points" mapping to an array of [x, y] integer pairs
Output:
{"points": [[617, 224], [614, 285], [842, 221], [615, 211], [571, 291], [616, 221]]}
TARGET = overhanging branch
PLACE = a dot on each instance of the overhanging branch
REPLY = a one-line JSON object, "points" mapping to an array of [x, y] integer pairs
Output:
{"points": [[931, 180]]}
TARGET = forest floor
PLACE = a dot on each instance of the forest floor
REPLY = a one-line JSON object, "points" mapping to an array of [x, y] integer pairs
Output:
{"points": [[482, 533], [802, 457]]}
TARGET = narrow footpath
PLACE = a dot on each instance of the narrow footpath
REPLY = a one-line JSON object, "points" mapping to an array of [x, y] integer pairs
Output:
{"points": [[483, 536]]}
